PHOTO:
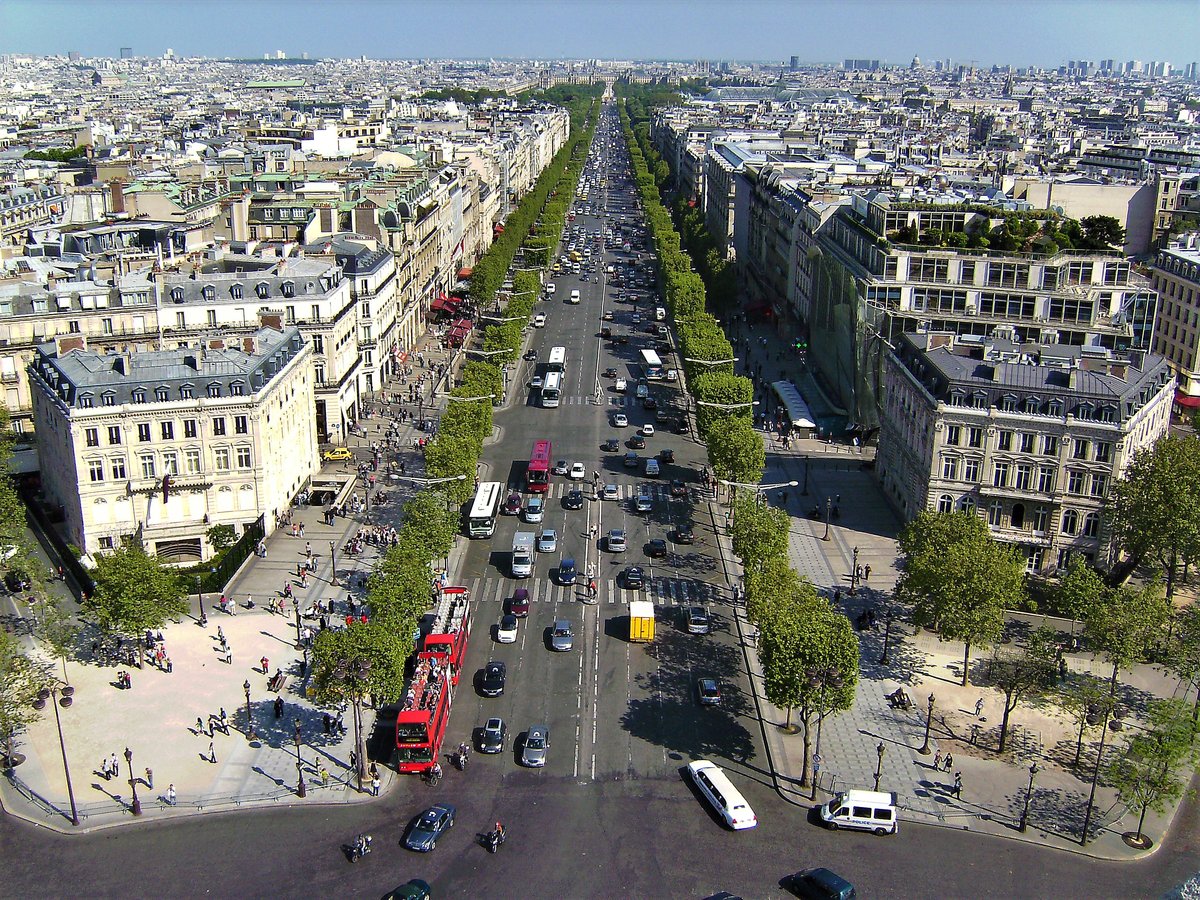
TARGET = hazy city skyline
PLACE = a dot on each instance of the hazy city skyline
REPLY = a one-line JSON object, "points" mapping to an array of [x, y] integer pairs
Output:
{"points": [[1045, 33]]}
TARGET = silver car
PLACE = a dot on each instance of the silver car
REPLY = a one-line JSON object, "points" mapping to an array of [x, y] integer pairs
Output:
{"points": [[561, 636], [537, 742]]}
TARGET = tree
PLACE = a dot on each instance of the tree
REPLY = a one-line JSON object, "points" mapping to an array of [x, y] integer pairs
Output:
{"points": [[221, 537], [57, 630], [810, 656], [958, 580], [1080, 590], [426, 517], [1148, 774], [736, 451], [772, 582], [759, 531], [1155, 507], [1125, 624], [1103, 232], [1023, 673], [1086, 700], [1183, 655], [448, 456], [20, 680], [134, 591]]}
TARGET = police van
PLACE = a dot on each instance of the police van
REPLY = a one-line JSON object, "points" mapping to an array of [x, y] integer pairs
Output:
{"points": [[861, 810]]}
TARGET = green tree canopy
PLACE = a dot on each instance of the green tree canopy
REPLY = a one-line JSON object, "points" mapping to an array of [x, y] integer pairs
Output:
{"points": [[1126, 623], [1023, 672], [736, 451], [385, 649], [427, 518], [21, 677], [759, 531], [448, 456], [134, 591], [1103, 232]]}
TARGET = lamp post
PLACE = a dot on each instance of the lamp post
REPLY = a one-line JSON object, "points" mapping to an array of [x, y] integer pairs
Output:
{"points": [[333, 564], [822, 677], [249, 716], [301, 791], [887, 639], [879, 765], [1033, 770], [760, 488], [136, 806], [200, 603], [854, 572], [807, 466], [299, 628], [828, 508], [925, 749], [352, 674], [52, 694]]}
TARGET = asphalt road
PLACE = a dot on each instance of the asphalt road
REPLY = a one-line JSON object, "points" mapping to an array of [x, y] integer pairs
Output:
{"points": [[610, 814]]}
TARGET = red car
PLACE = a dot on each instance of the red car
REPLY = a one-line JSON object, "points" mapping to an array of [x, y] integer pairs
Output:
{"points": [[518, 604]]}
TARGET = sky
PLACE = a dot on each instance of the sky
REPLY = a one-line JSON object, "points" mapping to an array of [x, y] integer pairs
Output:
{"points": [[1018, 32]]}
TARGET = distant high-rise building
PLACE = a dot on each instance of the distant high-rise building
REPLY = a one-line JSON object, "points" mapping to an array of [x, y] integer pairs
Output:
{"points": [[869, 65], [794, 63], [74, 55], [126, 53]]}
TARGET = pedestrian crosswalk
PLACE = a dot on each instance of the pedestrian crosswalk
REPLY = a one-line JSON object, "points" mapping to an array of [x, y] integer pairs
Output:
{"points": [[662, 591], [659, 490], [625, 400]]}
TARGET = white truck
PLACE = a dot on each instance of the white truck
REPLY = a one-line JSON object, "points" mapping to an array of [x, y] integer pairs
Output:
{"points": [[522, 554]]}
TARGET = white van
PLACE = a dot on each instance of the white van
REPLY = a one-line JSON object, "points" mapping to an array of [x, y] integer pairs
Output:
{"points": [[660, 314], [574, 296], [652, 468], [720, 792], [862, 810]]}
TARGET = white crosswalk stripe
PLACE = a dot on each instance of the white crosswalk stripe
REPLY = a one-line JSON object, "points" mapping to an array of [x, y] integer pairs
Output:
{"points": [[662, 591]]}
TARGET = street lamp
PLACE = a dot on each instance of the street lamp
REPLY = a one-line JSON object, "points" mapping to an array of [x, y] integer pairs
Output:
{"points": [[333, 564], [828, 508], [200, 603], [887, 638], [712, 362], [1033, 770], [472, 351], [52, 693], [726, 406], [500, 319], [352, 675], [429, 482], [759, 488], [136, 806], [249, 716], [299, 629], [879, 765], [471, 399], [301, 791], [854, 572], [925, 749], [822, 677]]}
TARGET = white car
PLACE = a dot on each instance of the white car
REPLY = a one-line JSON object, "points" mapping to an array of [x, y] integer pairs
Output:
{"points": [[647, 430], [506, 631], [560, 467], [611, 492], [550, 288], [539, 321], [620, 385], [578, 472], [672, 375], [575, 294], [547, 541], [620, 420]]}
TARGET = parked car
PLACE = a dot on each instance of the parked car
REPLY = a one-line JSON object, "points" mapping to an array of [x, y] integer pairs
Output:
{"points": [[338, 454], [430, 825]]}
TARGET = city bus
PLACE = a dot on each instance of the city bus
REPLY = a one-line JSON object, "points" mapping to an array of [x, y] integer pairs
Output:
{"points": [[481, 517], [537, 475], [558, 360], [551, 390], [652, 366], [425, 711]]}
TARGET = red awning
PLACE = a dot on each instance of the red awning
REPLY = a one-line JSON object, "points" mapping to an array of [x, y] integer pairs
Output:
{"points": [[464, 273], [464, 324], [440, 303], [1187, 400]]}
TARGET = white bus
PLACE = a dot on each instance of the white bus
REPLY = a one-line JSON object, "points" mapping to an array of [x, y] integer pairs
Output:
{"points": [[652, 366], [552, 389], [558, 360], [481, 518]]}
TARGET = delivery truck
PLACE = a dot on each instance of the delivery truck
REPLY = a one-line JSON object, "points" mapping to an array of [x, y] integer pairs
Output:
{"points": [[641, 620], [522, 554]]}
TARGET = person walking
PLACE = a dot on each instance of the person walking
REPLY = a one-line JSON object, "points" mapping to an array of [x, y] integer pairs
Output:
{"points": [[212, 752], [867, 572], [324, 777], [948, 763], [114, 766], [170, 796], [958, 785], [937, 761], [375, 786], [979, 708]]}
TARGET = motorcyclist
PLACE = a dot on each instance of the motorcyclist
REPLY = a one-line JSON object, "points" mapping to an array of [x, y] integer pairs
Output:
{"points": [[435, 773], [463, 750]]}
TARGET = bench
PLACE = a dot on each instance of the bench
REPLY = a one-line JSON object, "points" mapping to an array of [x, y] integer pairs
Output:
{"points": [[277, 683]]}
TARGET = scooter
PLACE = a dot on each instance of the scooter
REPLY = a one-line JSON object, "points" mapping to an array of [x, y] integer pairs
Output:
{"points": [[460, 758], [493, 840], [433, 776], [360, 848]]}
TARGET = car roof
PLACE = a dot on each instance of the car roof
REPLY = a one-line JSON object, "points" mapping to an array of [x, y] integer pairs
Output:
{"points": [[494, 722]]}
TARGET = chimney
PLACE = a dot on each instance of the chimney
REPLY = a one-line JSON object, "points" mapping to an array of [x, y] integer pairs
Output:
{"points": [[1119, 370], [192, 361], [940, 339], [250, 345], [270, 320], [117, 196], [65, 343]]}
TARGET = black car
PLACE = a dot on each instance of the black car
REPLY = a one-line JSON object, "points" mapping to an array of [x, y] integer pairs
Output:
{"points": [[649, 403], [656, 548], [637, 442], [610, 373], [666, 455], [821, 884], [635, 579], [492, 738], [492, 682], [612, 445], [683, 534], [573, 499], [530, 355], [678, 488], [430, 825]]}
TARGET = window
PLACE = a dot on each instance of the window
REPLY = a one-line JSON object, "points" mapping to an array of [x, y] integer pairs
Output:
{"points": [[147, 461], [212, 318], [235, 292], [1099, 486], [180, 320], [1027, 442], [1050, 445], [221, 459], [73, 326], [189, 428], [170, 461], [1000, 474], [1103, 451], [1017, 518], [241, 425], [1005, 440], [96, 469], [1045, 479], [191, 461], [209, 292], [318, 343], [243, 457], [995, 513], [967, 504], [1070, 522], [177, 294], [945, 503], [263, 290], [92, 436], [950, 468], [114, 434], [218, 426], [1075, 481], [971, 469], [144, 432], [214, 390], [1041, 518], [168, 431], [139, 395], [1080, 449], [316, 313], [288, 288], [118, 468], [85, 402], [1024, 477], [162, 395], [185, 392], [108, 399], [106, 543], [974, 437], [237, 389], [1091, 525]]}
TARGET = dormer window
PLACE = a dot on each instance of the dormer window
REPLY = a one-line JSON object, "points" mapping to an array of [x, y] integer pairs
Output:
{"points": [[209, 292], [263, 290], [214, 390], [139, 395], [288, 288], [85, 401], [185, 392], [161, 394], [108, 398], [979, 400], [1054, 408], [236, 292], [1008, 403], [1031, 406], [177, 294], [236, 389]]}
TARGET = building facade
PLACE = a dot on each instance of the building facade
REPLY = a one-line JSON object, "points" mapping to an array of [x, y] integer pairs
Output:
{"points": [[163, 445], [1031, 437], [1176, 276]]}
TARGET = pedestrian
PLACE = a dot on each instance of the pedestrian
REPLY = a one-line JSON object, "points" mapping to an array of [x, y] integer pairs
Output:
{"points": [[867, 572], [264, 662], [221, 635], [948, 762], [327, 721], [958, 785], [353, 760], [114, 766], [228, 657], [170, 796], [212, 752], [170, 668], [937, 761], [279, 707], [224, 717], [324, 777], [199, 725], [104, 770], [979, 708], [375, 786], [150, 779]]}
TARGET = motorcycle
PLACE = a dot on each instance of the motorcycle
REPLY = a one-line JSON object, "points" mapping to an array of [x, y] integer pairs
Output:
{"points": [[460, 758], [493, 840], [360, 848], [433, 776]]}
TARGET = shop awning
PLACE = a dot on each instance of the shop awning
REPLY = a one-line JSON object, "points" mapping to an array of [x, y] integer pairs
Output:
{"points": [[1188, 401], [465, 273], [798, 412]]}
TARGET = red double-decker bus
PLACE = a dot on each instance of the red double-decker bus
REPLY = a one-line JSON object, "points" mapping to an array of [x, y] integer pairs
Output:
{"points": [[425, 711], [537, 476]]}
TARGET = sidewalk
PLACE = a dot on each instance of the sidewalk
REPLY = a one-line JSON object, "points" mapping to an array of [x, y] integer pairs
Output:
{"points": [[994, 785], [157, 717]]}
